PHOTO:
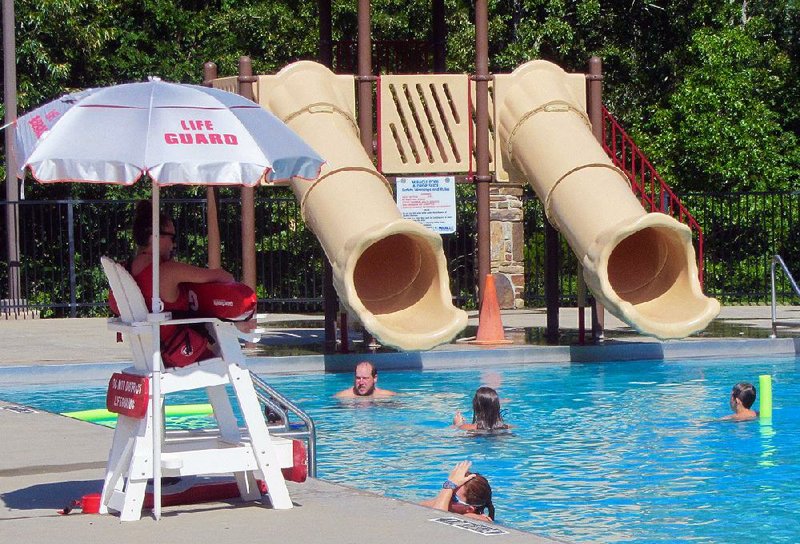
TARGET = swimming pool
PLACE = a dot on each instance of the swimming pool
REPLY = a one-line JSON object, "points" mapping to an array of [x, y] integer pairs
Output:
{"points": [[600, 452]]}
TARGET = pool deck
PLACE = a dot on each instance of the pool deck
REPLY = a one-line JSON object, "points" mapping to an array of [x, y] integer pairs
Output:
{"points": [[47, 460]]}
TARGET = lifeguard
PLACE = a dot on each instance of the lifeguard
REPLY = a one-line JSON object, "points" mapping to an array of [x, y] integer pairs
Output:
{"points": [[184, 290]]}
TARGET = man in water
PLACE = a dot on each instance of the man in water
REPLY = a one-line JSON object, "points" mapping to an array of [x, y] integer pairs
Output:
{"points": [[365, 383]]}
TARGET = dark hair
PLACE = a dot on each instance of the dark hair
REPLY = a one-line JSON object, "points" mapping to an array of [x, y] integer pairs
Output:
{"points": [[478, 493], [143, 222], [745, 392], [486, 409]]}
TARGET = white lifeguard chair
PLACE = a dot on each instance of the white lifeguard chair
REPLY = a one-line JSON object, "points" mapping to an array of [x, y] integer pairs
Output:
{"points": [[142, 450]]}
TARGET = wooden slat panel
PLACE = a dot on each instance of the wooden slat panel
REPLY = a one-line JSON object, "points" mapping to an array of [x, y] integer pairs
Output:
{"points": [[424, 124]]}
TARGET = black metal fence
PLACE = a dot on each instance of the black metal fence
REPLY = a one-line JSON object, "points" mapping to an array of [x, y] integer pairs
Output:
{"points": [[743, 231], [61, 242]]}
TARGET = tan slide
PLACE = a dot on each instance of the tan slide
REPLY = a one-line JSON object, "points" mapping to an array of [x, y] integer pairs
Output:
{"points": [[640, 266], [389, 272]]}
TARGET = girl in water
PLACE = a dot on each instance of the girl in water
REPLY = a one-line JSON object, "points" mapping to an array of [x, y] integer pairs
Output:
{"points": [[485, 412]]}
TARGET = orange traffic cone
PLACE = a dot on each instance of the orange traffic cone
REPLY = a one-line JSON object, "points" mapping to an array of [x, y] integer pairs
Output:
{"points": [[490, 325]]}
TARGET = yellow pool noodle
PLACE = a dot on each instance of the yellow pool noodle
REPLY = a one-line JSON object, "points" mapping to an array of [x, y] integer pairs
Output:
{"points": [[765, 396], [101, 414]]}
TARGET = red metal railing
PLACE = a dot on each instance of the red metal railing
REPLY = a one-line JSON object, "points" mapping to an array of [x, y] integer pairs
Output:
{"points": [[646, 183]]}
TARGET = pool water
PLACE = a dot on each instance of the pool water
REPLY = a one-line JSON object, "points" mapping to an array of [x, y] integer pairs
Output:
{"points": [[604, 452]]}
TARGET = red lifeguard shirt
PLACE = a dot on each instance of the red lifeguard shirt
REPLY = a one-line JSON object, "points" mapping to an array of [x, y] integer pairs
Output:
{"points": [[144, 279]]}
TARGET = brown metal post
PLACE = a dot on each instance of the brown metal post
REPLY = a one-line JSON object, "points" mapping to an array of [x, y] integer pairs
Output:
{"points": [[551, 290], [365, 78], [12, 187], [594, 105], [212, 194], [482, 178], [365, 82], [330, 305], [325, 33], [330, 300], [439, 37], [246, 80]]}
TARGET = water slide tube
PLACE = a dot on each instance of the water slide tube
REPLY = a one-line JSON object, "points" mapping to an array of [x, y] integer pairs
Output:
{"points": [[641, 266], [389, 272]]}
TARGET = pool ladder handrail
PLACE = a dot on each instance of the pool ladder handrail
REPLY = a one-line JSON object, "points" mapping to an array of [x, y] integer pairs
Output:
{"points": [[283, 407], [778, 260]]}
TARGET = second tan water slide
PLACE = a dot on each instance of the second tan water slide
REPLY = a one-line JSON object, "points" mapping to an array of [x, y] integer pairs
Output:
{"points": [[640, 265], [389, 272]]}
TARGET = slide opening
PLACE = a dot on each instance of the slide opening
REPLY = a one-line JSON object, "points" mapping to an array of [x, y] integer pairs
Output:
{"points": [[648, 265], [395, 273]]}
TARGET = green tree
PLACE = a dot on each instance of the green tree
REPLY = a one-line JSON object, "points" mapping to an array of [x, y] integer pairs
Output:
{"points": [[723, 127]]}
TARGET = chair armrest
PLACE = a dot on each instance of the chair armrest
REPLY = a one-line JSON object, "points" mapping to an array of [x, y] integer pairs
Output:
{"points": [[191, 320], [251, 337], [116, 324], [226, 326]]}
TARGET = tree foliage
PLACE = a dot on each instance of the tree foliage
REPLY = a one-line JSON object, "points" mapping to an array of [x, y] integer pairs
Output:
{"points": [[708, 87], [723, 128]]}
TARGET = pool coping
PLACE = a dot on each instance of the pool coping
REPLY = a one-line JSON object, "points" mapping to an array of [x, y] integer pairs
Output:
{"points": [[446, 358]]}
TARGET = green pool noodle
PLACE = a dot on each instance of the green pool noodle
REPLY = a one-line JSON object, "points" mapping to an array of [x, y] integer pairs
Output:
{"points": [[176, 410], [765, 396]]}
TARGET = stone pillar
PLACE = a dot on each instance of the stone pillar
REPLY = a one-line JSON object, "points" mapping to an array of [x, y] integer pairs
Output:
{"points": [[507, 242]]}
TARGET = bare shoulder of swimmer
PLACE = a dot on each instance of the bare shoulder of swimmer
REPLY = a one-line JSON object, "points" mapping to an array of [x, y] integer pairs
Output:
{"points": [[383, 393], [345, 393]]}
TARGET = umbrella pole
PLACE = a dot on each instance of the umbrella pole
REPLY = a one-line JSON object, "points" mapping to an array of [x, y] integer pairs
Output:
{"points": [[157, 308]]}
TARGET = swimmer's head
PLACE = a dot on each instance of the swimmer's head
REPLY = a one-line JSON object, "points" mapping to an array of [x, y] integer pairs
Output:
{"points": [[477, 495], [486, 409], [365, 379], [743, 392]]}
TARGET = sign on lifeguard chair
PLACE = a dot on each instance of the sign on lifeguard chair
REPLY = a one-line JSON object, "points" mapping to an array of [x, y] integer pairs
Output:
{"points": [[128, 395]]}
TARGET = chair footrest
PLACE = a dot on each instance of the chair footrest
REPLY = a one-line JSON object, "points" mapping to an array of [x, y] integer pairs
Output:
{"points": [[184, 459], [198, 444]]}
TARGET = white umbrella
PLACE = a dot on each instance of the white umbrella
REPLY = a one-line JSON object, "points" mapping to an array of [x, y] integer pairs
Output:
{"points": [[173, 133]]}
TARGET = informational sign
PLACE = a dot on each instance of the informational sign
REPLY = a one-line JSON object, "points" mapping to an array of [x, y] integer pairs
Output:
{"points": [[472, 526], [128, 395], [430, 201]]}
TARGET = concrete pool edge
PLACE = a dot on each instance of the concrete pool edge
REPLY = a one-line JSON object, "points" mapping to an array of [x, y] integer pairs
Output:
{"points": [[60, 459], [446, 357]]}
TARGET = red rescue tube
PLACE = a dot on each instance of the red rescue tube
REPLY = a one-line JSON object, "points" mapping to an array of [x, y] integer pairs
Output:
{"points": [[230, 301], [298, 472], [198, 494]]}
